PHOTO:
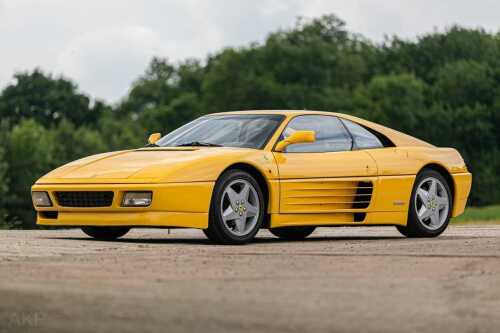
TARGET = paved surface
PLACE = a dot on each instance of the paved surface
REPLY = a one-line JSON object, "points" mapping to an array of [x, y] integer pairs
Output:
{"points": [[339, 280]]}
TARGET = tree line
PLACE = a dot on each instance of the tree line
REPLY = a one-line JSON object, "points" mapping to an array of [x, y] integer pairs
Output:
{"points": [[442, 87]]}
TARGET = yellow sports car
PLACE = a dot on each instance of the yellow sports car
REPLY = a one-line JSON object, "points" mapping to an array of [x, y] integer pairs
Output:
{"points": [[233, 173]]}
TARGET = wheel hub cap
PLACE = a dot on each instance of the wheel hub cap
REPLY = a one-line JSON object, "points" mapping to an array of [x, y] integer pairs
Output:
{"points": [[432, 203], [240, 207]]}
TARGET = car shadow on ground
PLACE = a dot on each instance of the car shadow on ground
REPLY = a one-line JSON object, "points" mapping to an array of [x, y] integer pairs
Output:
{"points": [[256, 241]]}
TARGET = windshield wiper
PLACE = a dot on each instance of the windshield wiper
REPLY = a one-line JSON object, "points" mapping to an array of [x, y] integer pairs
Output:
{"points": [[149, 145], [199, 144]]}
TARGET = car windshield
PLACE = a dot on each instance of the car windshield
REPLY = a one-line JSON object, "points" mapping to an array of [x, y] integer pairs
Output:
{"points": [[247, 131]]}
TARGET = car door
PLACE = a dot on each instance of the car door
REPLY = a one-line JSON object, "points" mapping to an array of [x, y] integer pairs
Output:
{"points": [[326, 176]]}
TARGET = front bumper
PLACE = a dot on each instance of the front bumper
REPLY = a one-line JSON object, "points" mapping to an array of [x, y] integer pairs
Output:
{"points": [[173, 205]]}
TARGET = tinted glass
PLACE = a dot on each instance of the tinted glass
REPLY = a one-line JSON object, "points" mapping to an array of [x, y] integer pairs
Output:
{"points": [[249, 131], [331, 135], [363, 138]]}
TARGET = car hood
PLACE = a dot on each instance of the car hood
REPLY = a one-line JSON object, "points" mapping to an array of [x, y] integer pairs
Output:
{"points": [[145, 165]]}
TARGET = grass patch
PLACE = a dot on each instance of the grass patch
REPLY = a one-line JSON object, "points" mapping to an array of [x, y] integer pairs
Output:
{"points": [[480, 215]]}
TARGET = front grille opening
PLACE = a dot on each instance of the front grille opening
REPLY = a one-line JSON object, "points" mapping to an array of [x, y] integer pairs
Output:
{"points": [[49, 215], [84, 198]]}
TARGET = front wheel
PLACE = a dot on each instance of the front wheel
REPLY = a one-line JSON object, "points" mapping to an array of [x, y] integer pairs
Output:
{"points": [[105, 233], [237, 209], [430, 206], [292, 233]]}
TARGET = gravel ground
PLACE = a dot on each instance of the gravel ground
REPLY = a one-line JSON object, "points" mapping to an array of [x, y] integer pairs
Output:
{"points": [[338, 280]]}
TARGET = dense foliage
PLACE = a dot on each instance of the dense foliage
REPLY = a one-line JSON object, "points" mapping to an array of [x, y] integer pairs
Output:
{"points": [[443, 87]]}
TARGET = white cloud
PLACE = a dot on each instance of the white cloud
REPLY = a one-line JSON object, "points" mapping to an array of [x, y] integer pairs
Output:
{"points": [[108, 60], [105, 45], [408, 18]]}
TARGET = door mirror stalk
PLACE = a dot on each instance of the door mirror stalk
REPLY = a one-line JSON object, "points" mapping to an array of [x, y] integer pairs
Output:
{"points": [[296, 137]]}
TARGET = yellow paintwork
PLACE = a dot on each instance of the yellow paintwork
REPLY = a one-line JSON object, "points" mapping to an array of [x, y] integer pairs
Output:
{"points": [[296, 137], [154, 137], [304, 188]]}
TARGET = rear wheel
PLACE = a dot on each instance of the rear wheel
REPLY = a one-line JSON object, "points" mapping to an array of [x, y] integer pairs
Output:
{"points": [[292, 233], [105, 233], [430, 206], [237, 209]]}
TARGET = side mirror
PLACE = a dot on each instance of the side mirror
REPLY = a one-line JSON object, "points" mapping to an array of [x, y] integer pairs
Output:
{"points": [[153, 138], [296, 137]]}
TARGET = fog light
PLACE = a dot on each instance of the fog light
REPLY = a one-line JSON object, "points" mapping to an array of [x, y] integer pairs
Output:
{"points": [[41, 199], [137, 199]]}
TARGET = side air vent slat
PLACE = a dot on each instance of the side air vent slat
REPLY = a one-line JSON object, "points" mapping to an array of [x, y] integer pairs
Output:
{"points": [[327, 196]]}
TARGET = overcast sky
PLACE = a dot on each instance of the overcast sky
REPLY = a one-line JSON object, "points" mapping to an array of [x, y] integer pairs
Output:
{"points": [[104, 45]]}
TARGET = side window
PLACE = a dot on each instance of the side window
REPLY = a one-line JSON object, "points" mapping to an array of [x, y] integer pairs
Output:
{"points": [[331, 135], [363, 138]]}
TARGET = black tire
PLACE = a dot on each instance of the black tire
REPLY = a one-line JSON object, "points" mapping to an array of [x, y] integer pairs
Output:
{"points": [[292, 233], [414, 227], [217, 231], [105, 233]]}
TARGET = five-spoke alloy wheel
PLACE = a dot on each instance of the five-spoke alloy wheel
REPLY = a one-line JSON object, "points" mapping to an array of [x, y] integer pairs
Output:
{"points": [[430, 206], [237, 208], [240, 207], [432, 203]]}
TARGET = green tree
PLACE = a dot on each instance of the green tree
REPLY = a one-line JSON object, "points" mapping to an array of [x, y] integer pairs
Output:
{"points": [[35, 95], [430, 52], [155, 87], [168, 117], [318, 53], [3, 186], [394, 100], [30, 154], [292, 70], [120, 133], [161, 83], [465, 82], [234, 81], [78, 142]]}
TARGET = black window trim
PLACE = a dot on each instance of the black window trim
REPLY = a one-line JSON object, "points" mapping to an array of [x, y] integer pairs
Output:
{"points": [[353, 142], [318, 152], [384, 140], [281, 118]]}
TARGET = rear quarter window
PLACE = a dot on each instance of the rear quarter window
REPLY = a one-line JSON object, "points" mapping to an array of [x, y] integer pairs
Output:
{"points": [[364, 138]]}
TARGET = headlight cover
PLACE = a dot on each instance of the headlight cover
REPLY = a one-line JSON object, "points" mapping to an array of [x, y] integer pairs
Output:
{"points": [[41, 199], [137, 199]]}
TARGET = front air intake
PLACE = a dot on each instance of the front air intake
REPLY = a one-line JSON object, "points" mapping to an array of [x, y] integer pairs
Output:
{"points": [[363, 195], [84, 198]]}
